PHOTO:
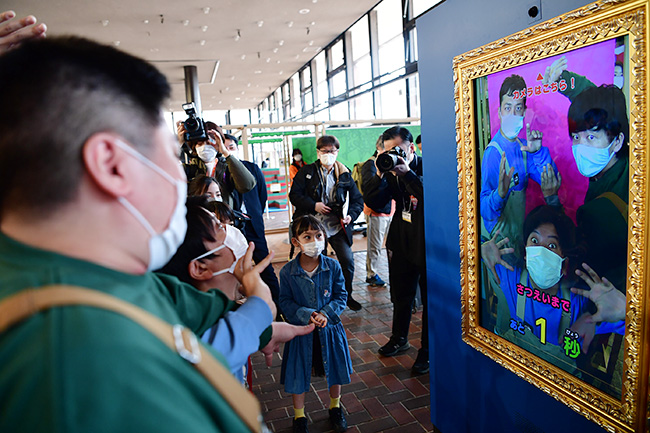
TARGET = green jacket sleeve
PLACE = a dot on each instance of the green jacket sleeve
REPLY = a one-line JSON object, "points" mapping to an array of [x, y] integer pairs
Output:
{"points": [[243, 180]]}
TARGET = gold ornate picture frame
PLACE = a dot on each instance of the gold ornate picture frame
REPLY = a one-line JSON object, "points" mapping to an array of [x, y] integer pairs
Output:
{"points": [[541, 194]]}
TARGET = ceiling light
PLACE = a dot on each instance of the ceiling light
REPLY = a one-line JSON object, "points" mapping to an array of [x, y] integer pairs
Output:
{"points": [[313, 23], [275, 50], [220, 102], [248, 85], [226, 89], [105, 23], [232, 77], [311, 43], [260, 23], [238, 99], [146, 21], [281, 72], [206, 10], [202, 42], [243, 56], [281, 42], [303, 11], [186, 23], [314, 1], [204, 28], [238, 36], [257, 72], [268, 59], [297, 56], [277, 61], [290, 24], [116, 43], [243, 93]]}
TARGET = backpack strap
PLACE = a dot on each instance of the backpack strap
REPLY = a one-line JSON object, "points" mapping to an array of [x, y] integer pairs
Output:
{"points": [[617, 202], [178, 338]]}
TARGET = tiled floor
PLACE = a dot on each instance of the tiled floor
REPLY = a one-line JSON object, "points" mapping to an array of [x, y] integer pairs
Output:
{"points": [[383, 395]]}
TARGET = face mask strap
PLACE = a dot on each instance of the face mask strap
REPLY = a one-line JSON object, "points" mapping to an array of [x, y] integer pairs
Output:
{"points": [[212, 251], [136, 213], [146, 161]]}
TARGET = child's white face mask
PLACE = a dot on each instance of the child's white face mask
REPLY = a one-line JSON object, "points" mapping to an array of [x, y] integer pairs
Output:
{"points": [[313, 249]]}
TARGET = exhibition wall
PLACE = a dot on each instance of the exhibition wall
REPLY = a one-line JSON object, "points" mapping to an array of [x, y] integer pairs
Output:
{"points": [[469, 392]]}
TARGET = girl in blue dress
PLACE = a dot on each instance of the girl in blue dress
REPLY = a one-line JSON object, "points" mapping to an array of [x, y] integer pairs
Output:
{"points": [[312, 290]]}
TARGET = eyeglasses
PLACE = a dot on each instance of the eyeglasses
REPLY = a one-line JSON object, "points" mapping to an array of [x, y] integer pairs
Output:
{"points": [[328, 151]]}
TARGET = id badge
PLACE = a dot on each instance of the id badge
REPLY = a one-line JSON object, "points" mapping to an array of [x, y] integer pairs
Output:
{"points": [[406, 216]]}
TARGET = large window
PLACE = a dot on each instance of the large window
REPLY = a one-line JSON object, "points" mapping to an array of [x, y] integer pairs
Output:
{"points": [[367, 72]]}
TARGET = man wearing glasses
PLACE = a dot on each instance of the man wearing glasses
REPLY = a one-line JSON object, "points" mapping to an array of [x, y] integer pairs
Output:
{"points": [[326, 190]]}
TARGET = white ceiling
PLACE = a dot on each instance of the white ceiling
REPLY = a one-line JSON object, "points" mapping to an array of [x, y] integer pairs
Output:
{"points": [[277, 38]]}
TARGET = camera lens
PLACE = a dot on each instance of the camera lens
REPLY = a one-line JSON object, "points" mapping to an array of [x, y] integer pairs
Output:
{"points": [[191, 125], [386, 161]]}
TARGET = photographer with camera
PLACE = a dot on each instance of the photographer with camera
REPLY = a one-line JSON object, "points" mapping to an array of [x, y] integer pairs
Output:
{"points": [[399, 178], [204, 152], [326, 190]]}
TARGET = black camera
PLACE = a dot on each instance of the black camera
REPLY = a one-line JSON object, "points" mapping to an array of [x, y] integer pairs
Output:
{"points": [[388, 160], [194, 125]]}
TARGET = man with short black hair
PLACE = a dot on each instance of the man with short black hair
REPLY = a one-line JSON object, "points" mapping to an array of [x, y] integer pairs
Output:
{"points": [[110, 209], [326, 189], [405, 241]]}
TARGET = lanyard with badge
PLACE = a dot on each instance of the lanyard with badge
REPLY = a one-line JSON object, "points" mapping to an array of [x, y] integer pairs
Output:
{"points": [[410, 204]]}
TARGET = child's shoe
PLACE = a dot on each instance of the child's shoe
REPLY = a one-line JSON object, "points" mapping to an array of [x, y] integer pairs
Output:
{"points": [[339, 424], [300, 425]]}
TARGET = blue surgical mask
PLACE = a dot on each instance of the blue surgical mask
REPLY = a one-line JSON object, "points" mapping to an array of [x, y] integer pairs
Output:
{"points": [[591, 160], [544, 266], [511, 125]]}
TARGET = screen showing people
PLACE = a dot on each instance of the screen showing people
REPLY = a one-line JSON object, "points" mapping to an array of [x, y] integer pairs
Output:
{"points": [[553, 201]]}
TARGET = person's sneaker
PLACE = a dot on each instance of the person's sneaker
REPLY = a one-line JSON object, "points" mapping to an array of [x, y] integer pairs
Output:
{"points": [[352, 304], [376, 281], [421, 365], [394, 346], [300, 425], [339, 424]]}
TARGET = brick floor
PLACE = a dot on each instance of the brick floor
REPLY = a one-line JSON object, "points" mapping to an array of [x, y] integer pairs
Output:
{"points": [[383, 395]]}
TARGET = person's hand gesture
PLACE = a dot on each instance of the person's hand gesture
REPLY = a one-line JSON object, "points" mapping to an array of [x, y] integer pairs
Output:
{"points": [[283, 332], [401, 168], [553, 72], [249, 277], [550, 181], [609, 301], [318, 319], [533, 140], [322, 208], [492, 252], [585, 327], [180, 131], [347, 220], [13, 32], [504, 178]]}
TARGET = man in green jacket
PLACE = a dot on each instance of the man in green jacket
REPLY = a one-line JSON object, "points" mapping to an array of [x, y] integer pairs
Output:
{"points": [[102, 204]]}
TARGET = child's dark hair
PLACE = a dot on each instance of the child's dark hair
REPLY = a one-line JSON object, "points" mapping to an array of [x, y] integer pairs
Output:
{"points": [[603, 108], [510, 84], [304, 223], [564, 226]]}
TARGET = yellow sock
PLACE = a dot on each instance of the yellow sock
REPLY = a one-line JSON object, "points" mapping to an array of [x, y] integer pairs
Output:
{"points": [[298, 413], [335, 402]]}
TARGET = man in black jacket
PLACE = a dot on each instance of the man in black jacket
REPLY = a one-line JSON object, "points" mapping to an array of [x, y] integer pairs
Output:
{"points": [[253, 203], [405, 243], [326, 189]]}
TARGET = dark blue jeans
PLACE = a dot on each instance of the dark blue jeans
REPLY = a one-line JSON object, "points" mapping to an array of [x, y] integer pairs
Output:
{"points": [[343, 250]]}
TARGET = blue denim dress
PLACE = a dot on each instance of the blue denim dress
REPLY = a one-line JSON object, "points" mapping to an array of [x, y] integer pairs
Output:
{"points": [[300, 295]]}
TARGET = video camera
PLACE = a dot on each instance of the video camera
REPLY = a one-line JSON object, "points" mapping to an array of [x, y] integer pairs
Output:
{"points": [[194, 125], [388, 160]]}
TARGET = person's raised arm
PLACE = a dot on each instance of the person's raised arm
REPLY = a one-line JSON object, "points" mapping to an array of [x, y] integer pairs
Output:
{"points": [[13, 31]]}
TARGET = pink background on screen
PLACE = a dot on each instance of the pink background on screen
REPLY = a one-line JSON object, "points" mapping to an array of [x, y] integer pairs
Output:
{"points": [[548, 114]]}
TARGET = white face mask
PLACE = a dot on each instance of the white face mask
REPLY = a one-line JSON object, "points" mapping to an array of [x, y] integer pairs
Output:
{"points": [[206, 152], [591, 160], [313, 249], [511, 125], [297, 157], [162, 246], [327, 159], [235, 242], [544, 266]]}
